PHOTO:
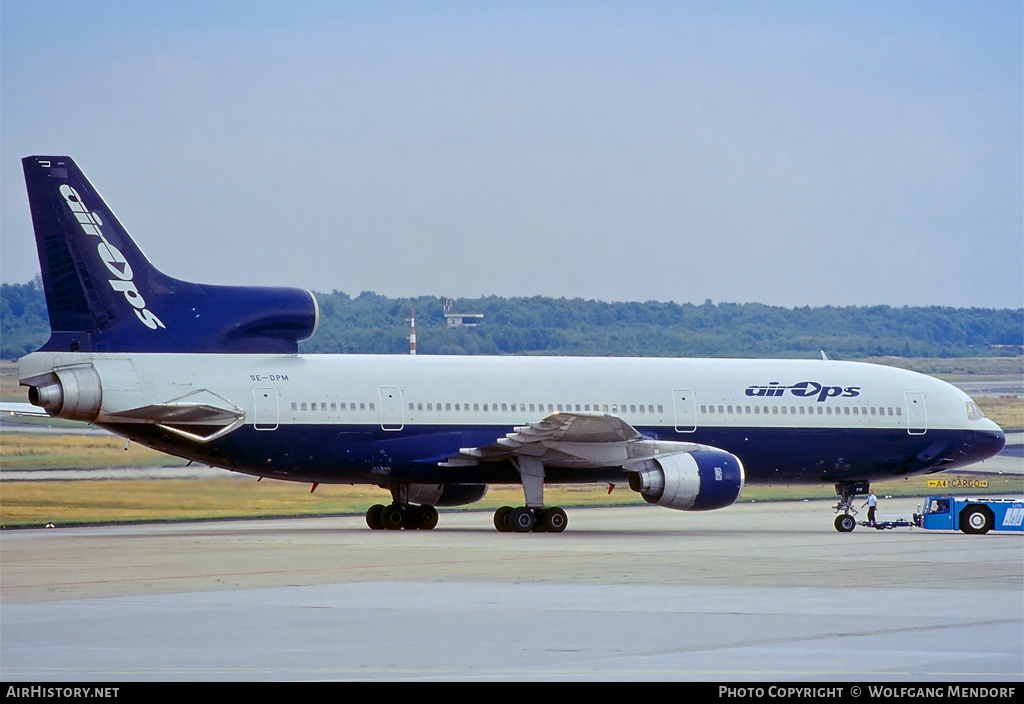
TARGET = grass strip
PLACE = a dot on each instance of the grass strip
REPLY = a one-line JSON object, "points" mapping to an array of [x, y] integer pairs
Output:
{"points": [[147, 500]]}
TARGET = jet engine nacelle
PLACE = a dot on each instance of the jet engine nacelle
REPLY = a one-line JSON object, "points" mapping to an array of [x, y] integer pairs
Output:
{"points": [[697, 480], [446, 494], [74, 392]]}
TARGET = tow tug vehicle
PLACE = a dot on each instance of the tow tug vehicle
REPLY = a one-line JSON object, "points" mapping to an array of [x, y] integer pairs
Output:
{"points": [[970, 515]]}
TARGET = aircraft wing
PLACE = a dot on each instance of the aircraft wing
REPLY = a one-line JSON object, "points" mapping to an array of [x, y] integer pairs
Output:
{"points": [[22, 409], [563, 439]]}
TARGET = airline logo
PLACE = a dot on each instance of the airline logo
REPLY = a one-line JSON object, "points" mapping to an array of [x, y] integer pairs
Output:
{"points": [[112, 258], [803, 389]]}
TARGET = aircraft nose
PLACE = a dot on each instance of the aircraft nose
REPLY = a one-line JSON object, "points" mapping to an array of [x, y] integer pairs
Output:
{"points": [[988, 443]]}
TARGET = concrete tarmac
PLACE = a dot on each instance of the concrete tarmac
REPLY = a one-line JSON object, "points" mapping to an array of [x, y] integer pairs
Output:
{"points": [[754, 592]]}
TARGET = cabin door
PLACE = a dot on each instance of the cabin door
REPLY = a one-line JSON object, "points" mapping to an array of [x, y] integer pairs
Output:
{"points": [[917, 414], [685, 407], [391, 416], [265, 409]]}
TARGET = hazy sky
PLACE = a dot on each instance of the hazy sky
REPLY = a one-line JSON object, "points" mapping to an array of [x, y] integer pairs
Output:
{"points": [[789, 153]]}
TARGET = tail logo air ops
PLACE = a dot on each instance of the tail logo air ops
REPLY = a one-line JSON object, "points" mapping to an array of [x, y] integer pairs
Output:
{"points": [[113, 259]]}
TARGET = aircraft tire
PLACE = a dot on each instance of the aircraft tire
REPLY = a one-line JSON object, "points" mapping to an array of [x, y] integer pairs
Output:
{"points": [[976, 520], [845, 523], [373, 517], [501, 519], [393, 517], [427, 517], [551, 520], [522, 519]]}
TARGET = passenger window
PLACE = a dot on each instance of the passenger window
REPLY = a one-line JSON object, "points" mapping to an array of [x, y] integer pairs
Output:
{"points": [[303, 405], [447, 406], [295, 406]]}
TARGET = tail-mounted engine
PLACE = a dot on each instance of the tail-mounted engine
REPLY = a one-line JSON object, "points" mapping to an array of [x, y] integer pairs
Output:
{"points": [[698, 480], [73, 392]]}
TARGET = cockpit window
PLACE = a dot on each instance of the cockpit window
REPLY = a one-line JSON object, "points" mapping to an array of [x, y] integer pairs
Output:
{"points": [[973, 412]]}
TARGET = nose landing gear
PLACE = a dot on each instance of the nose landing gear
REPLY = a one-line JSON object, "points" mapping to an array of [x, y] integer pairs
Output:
{"points": [[846, 491]]}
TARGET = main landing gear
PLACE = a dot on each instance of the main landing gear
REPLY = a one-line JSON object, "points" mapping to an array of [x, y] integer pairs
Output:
{"points": [[401, 514], [396, 516], [846, 491], [525, 519], [533, 517]]}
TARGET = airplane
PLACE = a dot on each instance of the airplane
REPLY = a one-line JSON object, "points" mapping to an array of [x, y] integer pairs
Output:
{"points": [[212, 373]]}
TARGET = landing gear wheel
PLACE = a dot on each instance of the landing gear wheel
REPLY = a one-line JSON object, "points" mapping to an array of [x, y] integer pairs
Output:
{"points": [[976, 520], [501, 519], [373, 518], [393, 517], [552, 520], [845, 523], [522, 519], [427, 517]]}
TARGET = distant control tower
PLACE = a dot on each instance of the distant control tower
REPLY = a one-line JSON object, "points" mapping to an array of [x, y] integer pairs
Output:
{"points": [[460, 320]]}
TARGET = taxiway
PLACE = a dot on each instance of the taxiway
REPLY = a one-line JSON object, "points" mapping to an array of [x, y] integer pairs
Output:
{"points": [[765, 591]]}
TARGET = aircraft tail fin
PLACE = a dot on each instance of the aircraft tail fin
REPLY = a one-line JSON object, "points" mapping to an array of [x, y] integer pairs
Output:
{"points": [[103, 294]]}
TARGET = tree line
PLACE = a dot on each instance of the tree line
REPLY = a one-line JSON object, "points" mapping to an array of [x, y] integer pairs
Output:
{"points": [[370, 323]]}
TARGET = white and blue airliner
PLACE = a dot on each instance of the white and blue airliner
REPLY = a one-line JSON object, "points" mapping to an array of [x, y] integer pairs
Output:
{"points": [[213, 374]]}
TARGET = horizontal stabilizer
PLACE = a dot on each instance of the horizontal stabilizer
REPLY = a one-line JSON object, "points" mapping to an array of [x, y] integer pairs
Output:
{"points": [[23, 409]]}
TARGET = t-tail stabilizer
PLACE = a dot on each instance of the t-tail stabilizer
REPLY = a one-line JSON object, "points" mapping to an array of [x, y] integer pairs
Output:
{"points": [[103, 295]]}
